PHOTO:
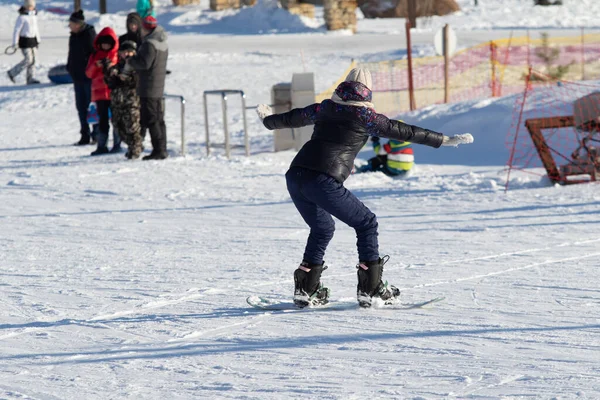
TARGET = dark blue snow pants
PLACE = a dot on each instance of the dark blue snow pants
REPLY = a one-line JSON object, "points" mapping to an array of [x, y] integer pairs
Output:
{"points": [[83, 96], [317, 197]]}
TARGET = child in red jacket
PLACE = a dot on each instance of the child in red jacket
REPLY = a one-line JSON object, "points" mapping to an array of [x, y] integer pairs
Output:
{"points": [[106, 46]]}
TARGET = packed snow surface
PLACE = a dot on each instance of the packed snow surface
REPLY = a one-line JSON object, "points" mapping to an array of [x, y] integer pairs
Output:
{"points": [[128, 279]]}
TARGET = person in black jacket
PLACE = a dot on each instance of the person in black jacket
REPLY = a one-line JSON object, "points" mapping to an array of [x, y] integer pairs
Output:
{"points": [[81, 47], [134, 30], [316, 178]]}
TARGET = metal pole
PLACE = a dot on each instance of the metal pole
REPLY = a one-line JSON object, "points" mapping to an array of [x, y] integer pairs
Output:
{"points": [[77, 5], [102, 6], [225, 129], [206, 124], [224, 97], [182, 111], [582, 53], [411, 89], [446, 64], [514, 146], [182, 126], [246, 138], [528, 50], [493, 62]]}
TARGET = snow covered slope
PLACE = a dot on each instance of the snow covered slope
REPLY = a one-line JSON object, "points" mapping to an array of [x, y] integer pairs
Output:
{"points": [[267, 18], [128, 279]]}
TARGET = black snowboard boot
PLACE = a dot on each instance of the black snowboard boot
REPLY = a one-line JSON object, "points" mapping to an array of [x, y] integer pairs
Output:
{"points": [[308, 289], [370, 284]]}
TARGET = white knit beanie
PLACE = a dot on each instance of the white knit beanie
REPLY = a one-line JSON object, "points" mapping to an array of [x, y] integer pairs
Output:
{"points": [[361, 75], [29, 3]]}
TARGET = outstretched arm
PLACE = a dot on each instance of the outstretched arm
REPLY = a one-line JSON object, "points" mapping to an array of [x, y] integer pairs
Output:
{"points": [[381, 125], [295, 118]]}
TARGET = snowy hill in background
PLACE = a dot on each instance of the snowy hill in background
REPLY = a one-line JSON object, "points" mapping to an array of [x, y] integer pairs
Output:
{"points": [[267, 18]]}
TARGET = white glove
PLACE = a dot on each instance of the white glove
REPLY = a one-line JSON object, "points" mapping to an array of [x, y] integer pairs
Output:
{"points": [[263, 111], [464, 138]]}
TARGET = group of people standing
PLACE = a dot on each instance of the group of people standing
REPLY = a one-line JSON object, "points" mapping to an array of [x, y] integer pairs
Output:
{"points": [[124, 76]]}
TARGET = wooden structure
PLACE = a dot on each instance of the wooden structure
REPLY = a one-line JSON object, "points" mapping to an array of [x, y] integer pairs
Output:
{"points": [[407, 8], [218, 5], [578, 166], [297, 8], [340, 14], [185, 2]]}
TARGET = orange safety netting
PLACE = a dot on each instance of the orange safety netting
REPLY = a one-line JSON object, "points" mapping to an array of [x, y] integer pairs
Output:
{"points": [[488, 70]]}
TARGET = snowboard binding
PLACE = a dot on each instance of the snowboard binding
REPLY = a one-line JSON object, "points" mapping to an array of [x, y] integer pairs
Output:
{"points": [[370, 284], [308, 289]]}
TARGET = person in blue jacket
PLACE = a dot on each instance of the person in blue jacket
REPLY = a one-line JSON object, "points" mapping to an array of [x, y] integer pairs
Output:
{"points": [[145, 8], [315, 181]]}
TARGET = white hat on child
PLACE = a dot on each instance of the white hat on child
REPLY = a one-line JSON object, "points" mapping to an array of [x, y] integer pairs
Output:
{"points": [[361, 75]]}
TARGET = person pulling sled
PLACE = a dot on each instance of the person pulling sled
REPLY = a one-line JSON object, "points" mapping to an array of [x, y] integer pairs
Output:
{"points": [[315, 181]]}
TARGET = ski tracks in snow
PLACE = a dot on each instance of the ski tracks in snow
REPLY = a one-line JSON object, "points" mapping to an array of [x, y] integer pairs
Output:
{"points": [[109, 320], [507, 270]]}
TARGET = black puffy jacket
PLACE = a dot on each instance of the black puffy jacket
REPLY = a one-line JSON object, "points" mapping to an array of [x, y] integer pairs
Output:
{"points": [[81, 47], [340, 132]]}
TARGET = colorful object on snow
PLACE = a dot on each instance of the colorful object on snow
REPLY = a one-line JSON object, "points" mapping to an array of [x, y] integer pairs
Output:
{"points": [[59, 75], [92, 114], [400, 157]]}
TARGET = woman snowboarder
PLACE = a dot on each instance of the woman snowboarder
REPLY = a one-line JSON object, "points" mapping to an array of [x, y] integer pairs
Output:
{"points": [[315, 181]]}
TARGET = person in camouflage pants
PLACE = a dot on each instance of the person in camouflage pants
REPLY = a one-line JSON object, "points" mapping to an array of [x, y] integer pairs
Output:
{"points": [[124, 101]]}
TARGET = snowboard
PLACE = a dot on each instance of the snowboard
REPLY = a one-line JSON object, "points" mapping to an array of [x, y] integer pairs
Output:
{"points": [[282, 304]]}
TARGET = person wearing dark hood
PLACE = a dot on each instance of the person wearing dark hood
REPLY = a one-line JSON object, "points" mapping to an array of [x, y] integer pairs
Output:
{"points": [[315, 181], [27, 37], [151, 66], [134, 30], [81, 47], [106, 46]]}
